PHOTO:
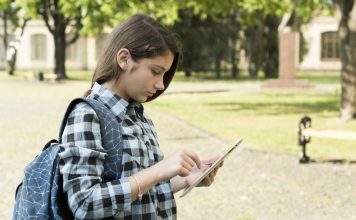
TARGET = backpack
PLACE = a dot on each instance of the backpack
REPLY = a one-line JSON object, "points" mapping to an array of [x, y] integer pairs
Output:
{"points": [[40, 194]]}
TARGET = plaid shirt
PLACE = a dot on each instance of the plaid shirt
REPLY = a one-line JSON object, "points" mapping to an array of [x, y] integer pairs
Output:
{"points": [[82, 157]]}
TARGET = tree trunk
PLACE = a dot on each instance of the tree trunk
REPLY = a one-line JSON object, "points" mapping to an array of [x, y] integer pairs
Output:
{"points": [[11, 61], [11, 65], [218, 67], [234, 57], [270, 60], [188, 73], [254, 35], [6, 46], [347, 37], [234, 63], [234, 38], [58, 31], [60, 55]]}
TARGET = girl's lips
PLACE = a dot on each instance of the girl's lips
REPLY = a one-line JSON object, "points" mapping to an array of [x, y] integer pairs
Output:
{"points": [[150, 93]]}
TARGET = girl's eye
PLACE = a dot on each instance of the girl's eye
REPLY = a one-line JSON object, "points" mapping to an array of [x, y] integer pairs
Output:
{"points": [[156, 72]]}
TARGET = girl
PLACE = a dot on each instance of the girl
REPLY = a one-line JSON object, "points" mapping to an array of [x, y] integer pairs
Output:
{"points": [[138, 63]]}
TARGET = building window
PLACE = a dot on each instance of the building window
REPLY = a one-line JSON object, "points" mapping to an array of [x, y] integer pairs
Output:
{"points": [[329, 46], [73, 51], [38, 47]]}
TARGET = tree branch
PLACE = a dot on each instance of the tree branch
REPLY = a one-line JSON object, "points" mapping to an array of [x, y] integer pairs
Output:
{"points": [[73, 39], [45, 16], [23, 26], [77, 27]]}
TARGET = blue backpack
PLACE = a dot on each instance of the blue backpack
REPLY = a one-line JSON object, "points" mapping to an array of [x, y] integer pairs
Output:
{"points": [[40, 194]]}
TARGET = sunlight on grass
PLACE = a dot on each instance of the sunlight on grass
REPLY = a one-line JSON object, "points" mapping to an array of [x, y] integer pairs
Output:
{"points": [[267, 120], [321, 78], [80, 75]]}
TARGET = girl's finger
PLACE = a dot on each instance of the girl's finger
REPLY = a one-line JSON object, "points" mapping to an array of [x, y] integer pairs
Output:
{"points": [[194, 157]]}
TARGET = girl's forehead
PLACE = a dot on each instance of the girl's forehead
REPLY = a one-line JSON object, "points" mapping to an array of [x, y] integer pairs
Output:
{"points": [[163, 61]]}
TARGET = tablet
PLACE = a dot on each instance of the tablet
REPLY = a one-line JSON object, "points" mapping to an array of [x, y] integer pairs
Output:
{"points": [[211, 168]]}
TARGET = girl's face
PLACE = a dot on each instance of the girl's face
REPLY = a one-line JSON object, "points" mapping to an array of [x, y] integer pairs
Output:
{"points": [[144, 78]]}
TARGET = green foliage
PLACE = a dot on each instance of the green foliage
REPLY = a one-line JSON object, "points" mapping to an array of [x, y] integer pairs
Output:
{"points": [[12, 11], [205, 41], [107, 13], [209, 29], [303, 11], [259, 21], [29, 6], [14, 19]]}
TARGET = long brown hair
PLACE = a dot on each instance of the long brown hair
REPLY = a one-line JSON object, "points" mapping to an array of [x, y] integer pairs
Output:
{"points": [[144, 37]]}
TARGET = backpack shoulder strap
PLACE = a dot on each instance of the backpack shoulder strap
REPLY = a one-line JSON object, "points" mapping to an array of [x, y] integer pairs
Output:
{"points": [[104, 114], [112, 142], [70, 108], [110, 130]]}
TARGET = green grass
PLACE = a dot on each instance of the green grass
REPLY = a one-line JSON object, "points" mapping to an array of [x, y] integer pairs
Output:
{"points": [[17, 75], [80, 75], [267, 119], [85, 75], [321, 77]]}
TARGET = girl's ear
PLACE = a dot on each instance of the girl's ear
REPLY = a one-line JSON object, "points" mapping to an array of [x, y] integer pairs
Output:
{"points": [[122, 57]]}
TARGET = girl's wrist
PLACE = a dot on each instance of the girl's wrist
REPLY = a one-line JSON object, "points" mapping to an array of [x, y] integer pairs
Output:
{"points": [[157, 173], [178, 183]]}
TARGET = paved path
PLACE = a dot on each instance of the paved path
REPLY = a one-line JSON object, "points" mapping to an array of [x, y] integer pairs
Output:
{"points": [[251, 185]]}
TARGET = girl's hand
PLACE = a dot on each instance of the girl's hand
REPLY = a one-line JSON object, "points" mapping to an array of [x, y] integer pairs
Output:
{"points": [[180, 163], [196, 172]]}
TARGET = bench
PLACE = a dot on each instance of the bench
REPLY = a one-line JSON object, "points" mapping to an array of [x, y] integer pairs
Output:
{"points": [[305, 132], [48, 77]]}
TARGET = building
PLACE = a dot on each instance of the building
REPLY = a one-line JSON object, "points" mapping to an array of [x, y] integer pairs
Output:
{"points": [[322, 45], [36, 48]]}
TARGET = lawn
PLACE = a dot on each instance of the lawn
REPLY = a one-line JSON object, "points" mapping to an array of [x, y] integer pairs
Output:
{"points": [[266, 118]]}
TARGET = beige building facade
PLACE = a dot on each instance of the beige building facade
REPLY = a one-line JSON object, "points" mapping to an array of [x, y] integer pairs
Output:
{"points": [[36, 48], [322, 45]]}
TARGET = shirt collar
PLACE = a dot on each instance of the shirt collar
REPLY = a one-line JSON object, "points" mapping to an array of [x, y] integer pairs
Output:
{"points": [[116, 104], [135, 108]]}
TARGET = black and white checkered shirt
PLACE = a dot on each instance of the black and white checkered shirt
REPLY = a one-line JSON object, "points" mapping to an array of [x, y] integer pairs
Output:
{"points": [[82, 157]]}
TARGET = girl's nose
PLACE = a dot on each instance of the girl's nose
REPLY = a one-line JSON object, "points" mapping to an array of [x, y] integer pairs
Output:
{"points": [[159, 85]]}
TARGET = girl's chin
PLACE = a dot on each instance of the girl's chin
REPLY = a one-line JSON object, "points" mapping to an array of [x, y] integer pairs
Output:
{"points": [[141, 99]]}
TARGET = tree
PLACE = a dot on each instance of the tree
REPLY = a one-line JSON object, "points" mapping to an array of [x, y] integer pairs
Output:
{"points": [[191, 32], [14, 20], [63, 19], [259, 20], [304, 11], [270, 56], [66, 20], [254, 47], [234, 39], [347, 38]]}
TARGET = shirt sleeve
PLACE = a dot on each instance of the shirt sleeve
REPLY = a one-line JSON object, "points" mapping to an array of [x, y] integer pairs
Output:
{"points": [[82, 159]]}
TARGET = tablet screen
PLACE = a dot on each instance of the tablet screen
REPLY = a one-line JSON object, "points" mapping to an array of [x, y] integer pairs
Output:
{"points": [[211, 168]]}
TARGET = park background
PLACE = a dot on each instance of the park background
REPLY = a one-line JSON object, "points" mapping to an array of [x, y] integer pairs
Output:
{"points": [[230, 54]]}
